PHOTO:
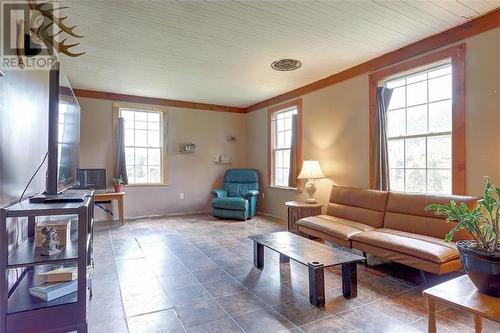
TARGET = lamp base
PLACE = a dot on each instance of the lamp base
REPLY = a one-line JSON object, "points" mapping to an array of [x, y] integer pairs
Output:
{"points": [[311, 201]]}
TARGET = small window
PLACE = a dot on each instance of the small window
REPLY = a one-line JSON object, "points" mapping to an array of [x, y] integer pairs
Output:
{"points": [[419, 130], [144, 146], [282, 134]]}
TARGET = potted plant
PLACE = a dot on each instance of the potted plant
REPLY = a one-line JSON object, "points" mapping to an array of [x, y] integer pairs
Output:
{"points": [[480, 256], [118, 183]]}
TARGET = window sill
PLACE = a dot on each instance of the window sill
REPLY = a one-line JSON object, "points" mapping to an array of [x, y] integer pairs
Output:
{"points": [[284, 188], [147, 185]]}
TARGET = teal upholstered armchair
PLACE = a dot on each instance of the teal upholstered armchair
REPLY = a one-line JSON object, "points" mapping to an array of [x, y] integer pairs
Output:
{"points": [[238, 198]]}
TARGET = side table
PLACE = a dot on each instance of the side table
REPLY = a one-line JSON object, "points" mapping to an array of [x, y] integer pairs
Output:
{"points": [[298, 210], [110, 196], [461, 294]]}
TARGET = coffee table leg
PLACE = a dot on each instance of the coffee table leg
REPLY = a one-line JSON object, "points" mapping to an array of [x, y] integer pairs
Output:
{"points": [[478, 324], [258, 255], [316, 284], [431, 305], [349, 280], [284, 259]]}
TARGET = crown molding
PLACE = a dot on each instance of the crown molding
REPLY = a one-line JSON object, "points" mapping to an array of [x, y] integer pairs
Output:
{"points": [[156, 101]]}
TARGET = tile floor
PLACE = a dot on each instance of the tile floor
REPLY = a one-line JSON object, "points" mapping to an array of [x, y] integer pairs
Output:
{"points": [[195, 274]]}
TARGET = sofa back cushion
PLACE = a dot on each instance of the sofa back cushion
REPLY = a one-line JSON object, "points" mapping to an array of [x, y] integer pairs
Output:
{"points": [[237, 182], [358, 204], [406, 212]]}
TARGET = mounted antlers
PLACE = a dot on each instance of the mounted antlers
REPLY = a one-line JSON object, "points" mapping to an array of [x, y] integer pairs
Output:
{"points": [[40, 10]]}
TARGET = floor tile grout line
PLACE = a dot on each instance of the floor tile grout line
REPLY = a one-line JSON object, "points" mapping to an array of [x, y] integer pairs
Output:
{"points": [[270, 307], [118, 276]]}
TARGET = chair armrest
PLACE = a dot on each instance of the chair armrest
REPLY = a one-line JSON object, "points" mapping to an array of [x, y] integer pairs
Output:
{"points": [[219, 193], [251, 193]]}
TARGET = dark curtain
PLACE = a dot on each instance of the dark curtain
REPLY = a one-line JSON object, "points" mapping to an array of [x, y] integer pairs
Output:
{"points": [[294, 172], [380, 152], [120, 164]]}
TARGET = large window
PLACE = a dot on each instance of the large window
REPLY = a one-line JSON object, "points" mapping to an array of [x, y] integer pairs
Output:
{"points": [[144, 146], [283, 135], [419, 130], [425, 123]]}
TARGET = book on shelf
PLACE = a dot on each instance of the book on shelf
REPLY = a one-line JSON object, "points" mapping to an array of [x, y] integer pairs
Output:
{"points": [[50, 291], [61, 274]]}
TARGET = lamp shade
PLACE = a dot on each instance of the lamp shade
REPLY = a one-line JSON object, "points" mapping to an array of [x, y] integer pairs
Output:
{"points": [[311, 170]]}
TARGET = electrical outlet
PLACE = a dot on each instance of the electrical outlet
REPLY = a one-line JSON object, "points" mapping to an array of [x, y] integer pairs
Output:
{"points": [[181, 196]]}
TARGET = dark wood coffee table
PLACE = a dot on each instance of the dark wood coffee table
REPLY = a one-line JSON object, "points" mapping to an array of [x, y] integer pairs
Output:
{"points": [[315, 256]]}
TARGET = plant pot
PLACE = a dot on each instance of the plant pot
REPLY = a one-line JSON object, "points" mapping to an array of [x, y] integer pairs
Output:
{"points": [[118, 187], [483, 268]]}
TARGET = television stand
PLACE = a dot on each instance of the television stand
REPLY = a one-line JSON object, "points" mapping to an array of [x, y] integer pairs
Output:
{"points": [[66, 196]]}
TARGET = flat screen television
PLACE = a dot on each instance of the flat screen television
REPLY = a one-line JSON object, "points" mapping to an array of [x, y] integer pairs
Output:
{"points": [[63, 139]]}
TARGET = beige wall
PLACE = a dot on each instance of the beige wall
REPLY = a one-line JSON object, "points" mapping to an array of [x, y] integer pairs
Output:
{"points": [[192, 174], [336, 129]]}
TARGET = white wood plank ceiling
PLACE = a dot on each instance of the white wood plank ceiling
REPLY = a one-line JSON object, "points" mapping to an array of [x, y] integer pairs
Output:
{"points": [[220, 51]]}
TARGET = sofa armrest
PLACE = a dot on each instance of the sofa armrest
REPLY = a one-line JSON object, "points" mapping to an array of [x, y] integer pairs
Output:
{"points": [[251, 193], [219, 193]]}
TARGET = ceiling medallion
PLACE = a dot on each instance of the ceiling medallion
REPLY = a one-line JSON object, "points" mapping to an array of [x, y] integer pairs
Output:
{"points": [[286, 65]]}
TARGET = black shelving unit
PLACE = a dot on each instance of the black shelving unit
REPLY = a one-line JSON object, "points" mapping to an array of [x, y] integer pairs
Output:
{"points": [[21, 312]]}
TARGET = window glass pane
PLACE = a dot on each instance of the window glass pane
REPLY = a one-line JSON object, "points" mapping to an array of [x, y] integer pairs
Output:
{"points": [[395, 83], [286, 173], [154, 116], [281, 140], [153, 139], [415, 153], [415, 180], [128, 116], [154, 174], [439, 181], [440, 71], [129, 137], [280, 115], [396, 123], [440, 88], [280, 125], [129, 156], [416, 93], [278, 158], [397, 179], [141, 175], [141, 156], [439, 152], [396, 153], [141, 125], [141, 116], [131, 174], [153, 126], [141, 138], [154, 156], [440, 116], [279, 177], [416, 78], [416, 118], [286, 159], [398, 98]]}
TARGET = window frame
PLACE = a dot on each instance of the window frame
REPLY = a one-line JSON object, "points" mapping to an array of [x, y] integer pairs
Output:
{"points": [[297, 104], [457, 56], [163, 135]]}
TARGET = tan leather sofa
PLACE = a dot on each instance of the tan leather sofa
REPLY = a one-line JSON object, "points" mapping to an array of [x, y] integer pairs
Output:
{"points": [[390, 225]]}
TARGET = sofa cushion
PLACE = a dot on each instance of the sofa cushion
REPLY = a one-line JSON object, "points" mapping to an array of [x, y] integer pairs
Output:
{"points": [[335, 226], [420, 246], [358, 204], [231, 203], [406, 212]]}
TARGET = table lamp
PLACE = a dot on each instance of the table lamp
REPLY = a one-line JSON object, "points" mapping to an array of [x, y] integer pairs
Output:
{"points": [[311, 171]]}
